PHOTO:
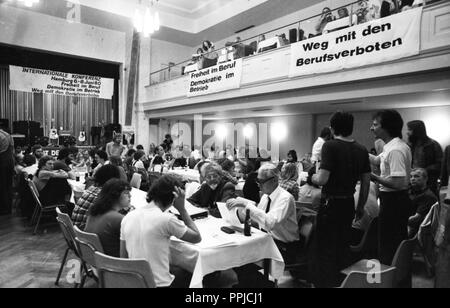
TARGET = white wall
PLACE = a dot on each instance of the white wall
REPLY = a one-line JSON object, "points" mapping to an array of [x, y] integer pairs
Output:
{"points": [[163, 52], [43, 32]]}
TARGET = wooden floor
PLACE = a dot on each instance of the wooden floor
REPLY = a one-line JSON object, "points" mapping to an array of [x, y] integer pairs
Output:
{"points": [[33, 261]]}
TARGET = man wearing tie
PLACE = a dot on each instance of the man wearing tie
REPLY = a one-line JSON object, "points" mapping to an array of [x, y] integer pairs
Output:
{"points": [[275, 214]]}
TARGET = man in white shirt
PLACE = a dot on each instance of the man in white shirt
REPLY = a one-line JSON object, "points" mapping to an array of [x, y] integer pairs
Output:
{"points": [[146, 232], [395, 163], [325, 135], [275, 214]]}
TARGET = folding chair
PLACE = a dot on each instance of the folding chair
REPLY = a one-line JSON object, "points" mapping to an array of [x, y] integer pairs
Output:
{"points": [[68, 232], [88, 245], [360, 280], [114, 273], [40, 209]]}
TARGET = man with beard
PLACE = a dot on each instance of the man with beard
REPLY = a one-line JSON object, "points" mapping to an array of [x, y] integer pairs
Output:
{"points": [[215, 189], [426, 153], [65, 158]]}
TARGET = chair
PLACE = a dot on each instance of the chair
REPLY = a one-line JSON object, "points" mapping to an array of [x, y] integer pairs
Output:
{"points": [[68, 232], [88, 245], [359, 280], [40, 209], [368, 246], [402, 262], [136, 180], [116, 273]]}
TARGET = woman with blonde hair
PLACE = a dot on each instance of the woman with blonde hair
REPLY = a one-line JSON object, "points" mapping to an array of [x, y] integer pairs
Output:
{"points": [[288, 179]]}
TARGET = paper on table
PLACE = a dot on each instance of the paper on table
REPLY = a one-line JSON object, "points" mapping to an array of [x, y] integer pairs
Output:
{"points": [[230, 217], [192, 210]]}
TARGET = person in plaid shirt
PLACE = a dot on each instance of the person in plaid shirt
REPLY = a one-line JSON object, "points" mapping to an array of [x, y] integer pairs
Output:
{"points": [[289, 178], [103, 175]]}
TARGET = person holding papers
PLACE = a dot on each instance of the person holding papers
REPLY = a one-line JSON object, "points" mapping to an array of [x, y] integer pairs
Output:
{"points": [[146, 232], [215, 189], [275, 214]]}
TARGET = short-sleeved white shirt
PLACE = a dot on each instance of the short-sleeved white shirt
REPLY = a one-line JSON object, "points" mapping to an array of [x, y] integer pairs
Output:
{"points": [[396, 161], [147, 233]]}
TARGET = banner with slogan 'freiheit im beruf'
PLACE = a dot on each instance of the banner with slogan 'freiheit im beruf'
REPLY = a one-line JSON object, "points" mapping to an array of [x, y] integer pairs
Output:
{"points": [[381, 40], [59, 83], [219, 78]]}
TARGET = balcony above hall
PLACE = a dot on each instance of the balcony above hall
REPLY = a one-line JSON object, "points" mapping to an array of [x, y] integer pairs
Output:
{"points": [[276, 70]]}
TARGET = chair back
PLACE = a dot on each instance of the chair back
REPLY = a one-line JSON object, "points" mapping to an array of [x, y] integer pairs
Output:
{"points": [[362, 280], [88, 245], [34, 192], [116, 273], [136, 180], [66, 225], [369, 240], [403, 262]]}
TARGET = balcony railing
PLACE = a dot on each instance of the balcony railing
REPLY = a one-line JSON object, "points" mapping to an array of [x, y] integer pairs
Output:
{"points": [[332, 20]]}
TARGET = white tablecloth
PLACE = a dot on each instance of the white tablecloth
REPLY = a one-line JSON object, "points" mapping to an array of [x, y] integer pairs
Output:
{"points": [[187, 174], [220, 251], [77, 188]]}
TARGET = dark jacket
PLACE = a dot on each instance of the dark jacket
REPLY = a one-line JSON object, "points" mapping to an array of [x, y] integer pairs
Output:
{"points": [[445, 167], [205, 197], [428, 156]]}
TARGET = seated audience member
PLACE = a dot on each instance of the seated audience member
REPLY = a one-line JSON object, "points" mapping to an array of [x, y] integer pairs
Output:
{"points": [[159, 159], [289, 178], [128, 161], [238, 48], [422, 199], [327, 16], [284, 40], [137, 162], [37, 151], [146, 232], [293, 159], [101, 158], [310, 194], [371, 211], [228, 171], [52, 184], [104, 218], [307, 163], [117, 162], [65, 158], [152, 151], [215, 189], [31, 165], [275, 214], [210, 56], [343, 13], [103, 175]]}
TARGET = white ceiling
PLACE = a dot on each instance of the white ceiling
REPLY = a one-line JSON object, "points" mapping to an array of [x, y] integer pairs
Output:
{"points": [[189, 22]]}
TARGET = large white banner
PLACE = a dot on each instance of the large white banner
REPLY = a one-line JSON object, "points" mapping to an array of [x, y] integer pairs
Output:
{"points": [[51, 82], [222, 77], [386, 39]]}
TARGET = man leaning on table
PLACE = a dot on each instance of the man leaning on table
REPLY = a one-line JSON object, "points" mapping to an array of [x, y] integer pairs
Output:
{"points": [[275, 214]]}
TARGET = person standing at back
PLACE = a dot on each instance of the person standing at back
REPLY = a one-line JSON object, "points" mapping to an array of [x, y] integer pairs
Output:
{"points": [[115, 147], [426, 153], [395, 164], [325, 135], [6, 171], [344, 163]]}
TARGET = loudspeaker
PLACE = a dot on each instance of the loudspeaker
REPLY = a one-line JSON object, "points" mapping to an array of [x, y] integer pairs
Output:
{"points": [[110, 129], [4, 123], [293, 37]]}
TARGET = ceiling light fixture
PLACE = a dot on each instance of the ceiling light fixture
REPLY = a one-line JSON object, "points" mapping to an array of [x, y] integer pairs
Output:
{"points": [[146, 18], [27, 3]]}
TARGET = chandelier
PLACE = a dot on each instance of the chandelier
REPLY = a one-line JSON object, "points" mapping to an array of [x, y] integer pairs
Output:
{"points": [[146, 19], [27, 3]]}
